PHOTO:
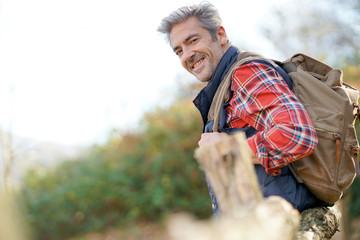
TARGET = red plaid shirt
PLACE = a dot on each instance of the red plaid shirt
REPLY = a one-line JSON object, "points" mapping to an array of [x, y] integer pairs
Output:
{"points": [[262, 99]]}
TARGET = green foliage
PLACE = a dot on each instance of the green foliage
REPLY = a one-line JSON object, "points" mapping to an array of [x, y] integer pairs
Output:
{"points": [[133, 177], [352, 75]]}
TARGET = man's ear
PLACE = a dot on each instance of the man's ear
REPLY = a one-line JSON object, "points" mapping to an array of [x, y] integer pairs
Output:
{"points": [[222, 36]]}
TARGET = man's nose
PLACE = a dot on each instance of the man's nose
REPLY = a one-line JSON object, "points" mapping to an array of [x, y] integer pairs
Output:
{"points": [[188, 55]]}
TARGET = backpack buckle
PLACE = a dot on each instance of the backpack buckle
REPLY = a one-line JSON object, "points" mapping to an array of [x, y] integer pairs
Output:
{"points": [[357, 113], [356, 158]]}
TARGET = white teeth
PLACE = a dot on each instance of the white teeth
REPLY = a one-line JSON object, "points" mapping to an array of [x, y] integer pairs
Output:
{"points": [[197, 63]]}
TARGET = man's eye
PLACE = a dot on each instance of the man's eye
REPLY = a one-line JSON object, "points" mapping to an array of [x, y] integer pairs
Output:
{"points": [[194, 40], [178, 52]]}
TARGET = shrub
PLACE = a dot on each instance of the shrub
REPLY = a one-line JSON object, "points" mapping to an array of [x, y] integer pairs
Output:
{"points": [[133, 177]]}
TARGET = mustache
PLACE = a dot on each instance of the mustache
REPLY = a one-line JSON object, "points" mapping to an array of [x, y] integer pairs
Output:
{"points": [[195, 58]]}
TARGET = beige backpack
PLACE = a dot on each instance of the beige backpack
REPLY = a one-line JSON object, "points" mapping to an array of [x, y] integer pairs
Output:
{"points": [[333, 107]]}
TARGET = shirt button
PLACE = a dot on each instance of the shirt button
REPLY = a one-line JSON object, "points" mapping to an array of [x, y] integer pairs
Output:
{"points": [[197, 102], [213, 206]]}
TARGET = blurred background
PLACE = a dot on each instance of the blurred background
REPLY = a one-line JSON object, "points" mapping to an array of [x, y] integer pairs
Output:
{"points": [[97, 125]]}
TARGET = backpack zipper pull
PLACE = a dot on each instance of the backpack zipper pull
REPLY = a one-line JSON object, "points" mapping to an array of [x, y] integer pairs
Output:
{"points": [[357, 111], [337, 139], [356, 156]]}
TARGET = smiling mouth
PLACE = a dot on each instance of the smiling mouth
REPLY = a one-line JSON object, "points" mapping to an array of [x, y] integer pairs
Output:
{"points": [[197, 63]]}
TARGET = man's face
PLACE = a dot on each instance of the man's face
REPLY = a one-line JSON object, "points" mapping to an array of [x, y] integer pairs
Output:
{"points": [[199, 53]]}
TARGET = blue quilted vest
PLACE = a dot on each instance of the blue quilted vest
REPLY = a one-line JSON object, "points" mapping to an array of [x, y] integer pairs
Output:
{"points": [[285, 184]]}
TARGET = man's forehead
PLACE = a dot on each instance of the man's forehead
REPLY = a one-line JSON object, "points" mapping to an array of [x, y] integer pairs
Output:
{"points": [[181, 31]]}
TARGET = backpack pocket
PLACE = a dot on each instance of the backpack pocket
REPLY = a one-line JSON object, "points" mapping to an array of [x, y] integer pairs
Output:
{"points": [[325, 120], [348, 163], [316, 167], [318, 171]]}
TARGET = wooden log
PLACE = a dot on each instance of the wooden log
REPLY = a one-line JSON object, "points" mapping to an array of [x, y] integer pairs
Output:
{"points": [[319, 223], [272, 219], [245, 214], [12, 225], [228, 167]]}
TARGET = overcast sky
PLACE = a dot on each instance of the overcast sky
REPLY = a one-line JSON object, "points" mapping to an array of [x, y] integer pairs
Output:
{"points": [[70, 70]]}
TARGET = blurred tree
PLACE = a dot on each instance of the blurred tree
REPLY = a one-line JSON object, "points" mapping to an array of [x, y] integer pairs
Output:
{"points": [[326, 29], [134, 176]]}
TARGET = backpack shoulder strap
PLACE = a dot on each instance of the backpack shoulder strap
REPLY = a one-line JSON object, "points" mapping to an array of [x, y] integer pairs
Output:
{"points": [[222, 94]]}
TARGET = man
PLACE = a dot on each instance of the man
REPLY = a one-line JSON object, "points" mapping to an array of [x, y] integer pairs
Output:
{"points": [[260, 98]]}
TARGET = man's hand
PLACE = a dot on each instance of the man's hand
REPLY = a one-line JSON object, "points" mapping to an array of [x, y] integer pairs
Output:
{"points": [[208, 138]]}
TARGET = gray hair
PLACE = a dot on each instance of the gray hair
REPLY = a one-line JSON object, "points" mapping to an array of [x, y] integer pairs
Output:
{"points": [[205, 12]]}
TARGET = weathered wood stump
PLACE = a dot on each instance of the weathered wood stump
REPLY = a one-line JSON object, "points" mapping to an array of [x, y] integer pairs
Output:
{"points": [[231, 173], [272, 219], [319, 223], [245, 214], [11, 222]]}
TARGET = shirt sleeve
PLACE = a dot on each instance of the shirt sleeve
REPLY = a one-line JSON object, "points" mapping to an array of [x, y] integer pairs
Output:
{"points": [[262, 99]]}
